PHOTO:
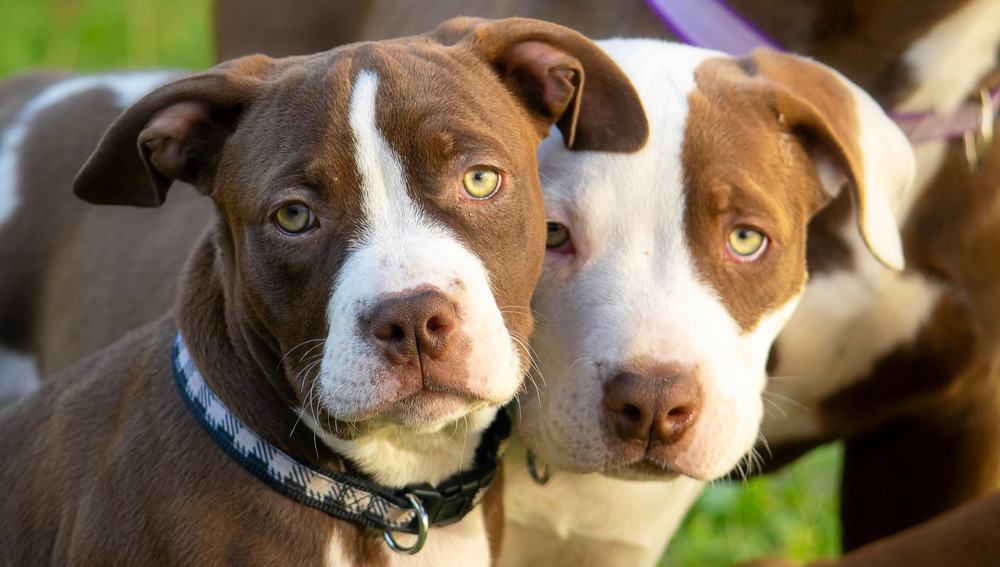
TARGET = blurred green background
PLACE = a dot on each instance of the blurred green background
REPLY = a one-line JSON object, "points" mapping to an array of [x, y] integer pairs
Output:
{"points": [[792, 513]]}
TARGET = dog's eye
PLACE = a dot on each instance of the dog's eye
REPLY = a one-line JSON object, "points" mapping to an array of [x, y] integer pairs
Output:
{"points": [[746, 243], [481, 182], [557, 235], [294, 218]]}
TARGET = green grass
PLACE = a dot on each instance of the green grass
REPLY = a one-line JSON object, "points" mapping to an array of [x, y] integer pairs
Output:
{"points": [[89, 35], [792, 513]]}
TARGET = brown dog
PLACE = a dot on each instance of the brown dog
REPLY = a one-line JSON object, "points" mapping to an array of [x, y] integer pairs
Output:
{"points": [[901, 367], [378, 204]]}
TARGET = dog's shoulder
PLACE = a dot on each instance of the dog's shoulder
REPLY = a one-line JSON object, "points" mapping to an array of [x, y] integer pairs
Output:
{"points": [[61, 448]]}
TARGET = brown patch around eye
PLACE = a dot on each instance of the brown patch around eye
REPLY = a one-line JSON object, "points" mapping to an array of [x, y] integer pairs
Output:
{"points": [[732, 171]]}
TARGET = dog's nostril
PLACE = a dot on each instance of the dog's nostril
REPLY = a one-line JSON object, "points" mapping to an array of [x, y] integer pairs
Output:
{"points": [[437, 325], [678, 412], [390, 332], [631, 413]]}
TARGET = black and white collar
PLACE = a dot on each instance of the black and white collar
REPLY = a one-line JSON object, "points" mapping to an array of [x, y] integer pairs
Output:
{"points": [[412, 509]]}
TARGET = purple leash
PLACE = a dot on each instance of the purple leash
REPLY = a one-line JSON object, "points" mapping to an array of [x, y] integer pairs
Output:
{"points": [[714, 25]]}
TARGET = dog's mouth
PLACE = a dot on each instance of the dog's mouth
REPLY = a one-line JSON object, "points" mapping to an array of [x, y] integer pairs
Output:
{"points": [[423, 409], [643, 469]]}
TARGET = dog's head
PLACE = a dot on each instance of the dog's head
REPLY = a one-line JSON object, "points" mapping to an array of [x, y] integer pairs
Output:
{"points": [[670, 271], [381, 222]]}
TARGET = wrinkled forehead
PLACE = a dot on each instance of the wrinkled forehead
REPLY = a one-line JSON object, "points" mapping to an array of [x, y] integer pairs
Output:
{"points": [[710, 130], [429, 102]]}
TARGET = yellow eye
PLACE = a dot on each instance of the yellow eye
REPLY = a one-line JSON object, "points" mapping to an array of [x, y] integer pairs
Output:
{"points": [[481, 182], [747, 243], [557, 235], [295, 218]]}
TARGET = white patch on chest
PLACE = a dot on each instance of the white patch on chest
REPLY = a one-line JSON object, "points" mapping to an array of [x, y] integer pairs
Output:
{"points": [[636, 515], [127, 87], [460, 545]]}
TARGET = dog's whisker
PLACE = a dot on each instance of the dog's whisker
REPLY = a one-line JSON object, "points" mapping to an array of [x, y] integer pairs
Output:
{"points": [[293, 349], [784, 398]]}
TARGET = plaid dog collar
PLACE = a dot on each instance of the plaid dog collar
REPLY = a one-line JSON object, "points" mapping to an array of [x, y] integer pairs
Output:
{"points": [[412, 509]]}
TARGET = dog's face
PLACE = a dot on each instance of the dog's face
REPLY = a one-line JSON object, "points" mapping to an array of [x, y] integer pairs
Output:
{"points": [[380, 211], [670, 271]]}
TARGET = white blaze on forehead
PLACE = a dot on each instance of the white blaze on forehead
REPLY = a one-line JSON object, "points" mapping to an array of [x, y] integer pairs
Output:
{"points": [[399, 249], [389, 210], [127, 88]]}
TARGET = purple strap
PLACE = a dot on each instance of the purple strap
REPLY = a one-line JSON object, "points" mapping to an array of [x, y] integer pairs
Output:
{"points": [[713, 25], [929, 126]]}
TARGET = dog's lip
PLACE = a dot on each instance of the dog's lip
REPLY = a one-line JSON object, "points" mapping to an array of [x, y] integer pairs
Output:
{"points": [[421, 395], [644, 469]]}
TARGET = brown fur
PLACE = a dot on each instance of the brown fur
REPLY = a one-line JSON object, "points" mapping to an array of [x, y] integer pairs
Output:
{"points": [[110, 465], [947, 237]]}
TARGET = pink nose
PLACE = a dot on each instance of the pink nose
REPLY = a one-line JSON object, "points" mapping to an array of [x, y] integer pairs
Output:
{"points": [[419, 323], [658, 406]]}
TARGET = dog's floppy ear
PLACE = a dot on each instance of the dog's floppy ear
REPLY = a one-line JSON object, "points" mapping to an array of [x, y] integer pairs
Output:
{"points": [[851, 139], [174, 132], [560, 76]]}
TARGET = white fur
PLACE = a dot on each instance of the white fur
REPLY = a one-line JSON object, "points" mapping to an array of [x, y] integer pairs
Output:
{"points": [[458, 545], [634, 292], [636, 517], [127, 88], [402, 249], [888, 170], [396, 456]]}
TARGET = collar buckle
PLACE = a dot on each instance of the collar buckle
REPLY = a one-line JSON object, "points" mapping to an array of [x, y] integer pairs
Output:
{"points": [[450, 501]]}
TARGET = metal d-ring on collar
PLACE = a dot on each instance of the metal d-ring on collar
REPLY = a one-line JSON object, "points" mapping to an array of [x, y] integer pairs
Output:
{"points": [[540, 478], [412, 509], [423, 524], [978, 140]]}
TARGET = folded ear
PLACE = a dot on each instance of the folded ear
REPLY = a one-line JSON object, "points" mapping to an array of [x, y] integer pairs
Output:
{"points": [[174, 132], [852, 141], [560, 77]]}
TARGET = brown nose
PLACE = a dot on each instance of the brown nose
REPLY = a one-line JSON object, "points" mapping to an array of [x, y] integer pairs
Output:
{"points": [[418, 323], [658, 406]]}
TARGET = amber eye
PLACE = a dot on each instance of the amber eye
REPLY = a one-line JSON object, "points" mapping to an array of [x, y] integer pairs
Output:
{"points": [[295, 218], [557, 235], [746, 243], [481, 182]]}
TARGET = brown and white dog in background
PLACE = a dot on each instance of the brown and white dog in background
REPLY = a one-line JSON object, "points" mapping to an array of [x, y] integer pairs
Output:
{"points": [[901, 366], [345, 213]]}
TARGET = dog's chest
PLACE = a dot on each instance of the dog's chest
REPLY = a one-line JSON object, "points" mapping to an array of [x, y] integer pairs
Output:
{"points": [[461, 544]]}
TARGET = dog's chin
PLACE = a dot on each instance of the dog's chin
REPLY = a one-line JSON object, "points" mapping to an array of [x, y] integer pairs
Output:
{"points": [[643, 470], [428, 412], [422, 412]]}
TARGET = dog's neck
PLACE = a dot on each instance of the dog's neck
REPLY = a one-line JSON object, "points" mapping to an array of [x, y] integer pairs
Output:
{"points": [[237, 360]]}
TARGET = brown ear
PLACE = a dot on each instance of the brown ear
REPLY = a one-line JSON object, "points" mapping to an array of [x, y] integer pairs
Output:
{"points": [[174, 132], [560, 76], [851, 139]]}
